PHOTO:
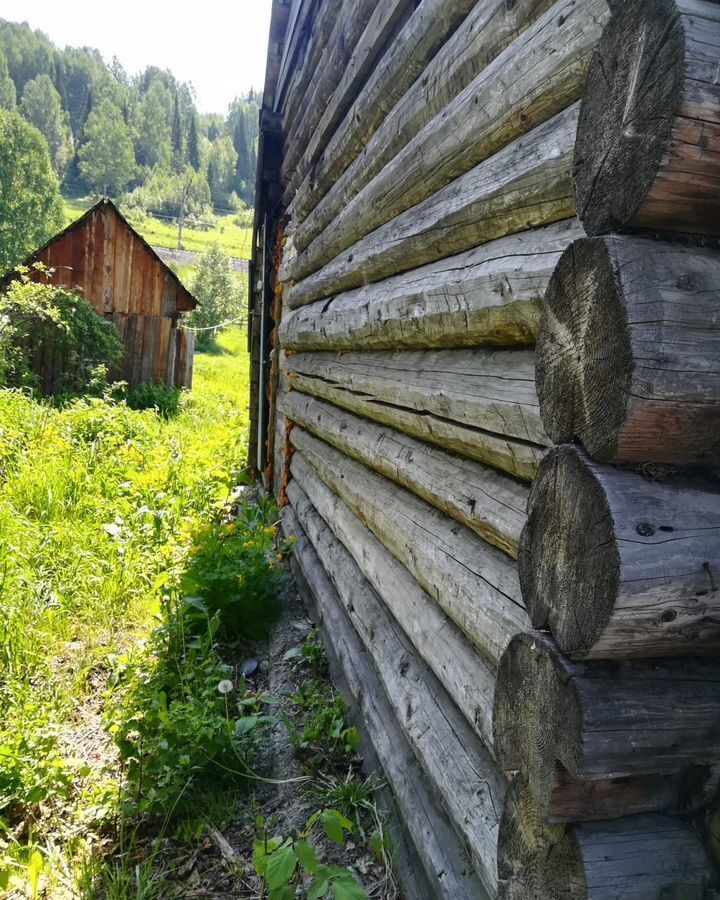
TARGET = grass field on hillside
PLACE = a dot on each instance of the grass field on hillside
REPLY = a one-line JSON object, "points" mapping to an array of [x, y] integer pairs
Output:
{"points": [[234, 240]]}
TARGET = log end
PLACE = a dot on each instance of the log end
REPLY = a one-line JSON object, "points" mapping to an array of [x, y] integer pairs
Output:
{"points": [[568, 560], [584, 357], [634, 89]]}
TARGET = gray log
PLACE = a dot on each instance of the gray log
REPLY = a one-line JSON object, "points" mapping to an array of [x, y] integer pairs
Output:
{"points": [[489, 503], [648, 149], [627, 359], [488, 29], [489, 295], [636, 858], [467, 677], [523, 186], [459, 767], [440, 852], [537, 76], [618, 565], [603, 721], [474, 583]]}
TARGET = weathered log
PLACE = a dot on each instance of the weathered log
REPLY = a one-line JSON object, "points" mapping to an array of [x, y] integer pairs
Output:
{"points": [[648, 148], [423, 34], [603, 721], [487, 30], [389, 48], [636, 858], [627, 357], [461, 769], [346, 35], [537, 76], [492, 390], [616, 564], [474, 583], [489, 295], [523, 186], [519, 458], [439, 850], [467, 677], [489, 503]]}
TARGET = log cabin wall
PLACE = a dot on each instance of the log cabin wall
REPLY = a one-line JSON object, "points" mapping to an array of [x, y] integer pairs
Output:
{"points": [[126, 282], [536, 624]]}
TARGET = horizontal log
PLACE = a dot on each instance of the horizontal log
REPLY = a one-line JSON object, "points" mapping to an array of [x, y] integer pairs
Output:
{"points": [[618, 565], [628, 351], [454, 758], [523, 186], [648, 149], [492, 390], [439, 850], [467, 677], [603, 721], [516, 457], [475, 584], [432, 24], [537, 76], [389, 56], [489, 295], [489, 503], [636, 858]]}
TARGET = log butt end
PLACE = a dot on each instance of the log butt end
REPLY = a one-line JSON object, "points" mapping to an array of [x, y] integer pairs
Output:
{"points": [[634, 89]]}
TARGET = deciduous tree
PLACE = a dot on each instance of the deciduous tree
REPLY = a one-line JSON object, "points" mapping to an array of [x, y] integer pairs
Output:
{"points": [[107, 159]]}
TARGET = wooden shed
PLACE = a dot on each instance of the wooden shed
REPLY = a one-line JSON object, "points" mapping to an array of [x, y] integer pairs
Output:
{"points": [[117, 271], [485, 346]]}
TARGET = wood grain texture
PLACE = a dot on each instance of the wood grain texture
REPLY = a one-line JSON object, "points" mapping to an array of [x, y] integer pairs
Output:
{"points": [[443, 856], [475, 584], [486, 501], [618, 565], [636, 858], [525, 185], [648, 149], [461, 770], [537, 76], [627, 358], [489, 295], [604, 721], [468, 678]]}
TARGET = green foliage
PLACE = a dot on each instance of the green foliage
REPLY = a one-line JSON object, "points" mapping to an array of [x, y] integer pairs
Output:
{"points": [[218, 294], [107, 159], [41, 106], [57, 324], [30, 202], [163, 399], [8, 94], [165, 192], [286, 863]]}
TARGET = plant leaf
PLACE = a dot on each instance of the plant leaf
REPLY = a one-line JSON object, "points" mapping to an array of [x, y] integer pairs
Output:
{"points": [[333, 823], [306, 856], [348, 889], [318, 888], [280, 867]]}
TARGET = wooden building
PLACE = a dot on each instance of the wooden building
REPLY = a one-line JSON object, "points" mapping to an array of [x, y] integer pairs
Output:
{"points": [[119, 273], [494, 437]]}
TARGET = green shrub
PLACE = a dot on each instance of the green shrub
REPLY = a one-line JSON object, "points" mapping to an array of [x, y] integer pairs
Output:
{"points": [[160, 397]]}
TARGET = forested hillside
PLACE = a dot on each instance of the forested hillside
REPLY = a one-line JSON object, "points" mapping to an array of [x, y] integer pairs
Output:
{"points": [[139, 139]]}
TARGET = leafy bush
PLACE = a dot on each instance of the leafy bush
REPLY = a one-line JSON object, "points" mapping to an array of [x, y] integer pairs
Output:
{"points": [[160, 397], [40, 321], [218, 293]]}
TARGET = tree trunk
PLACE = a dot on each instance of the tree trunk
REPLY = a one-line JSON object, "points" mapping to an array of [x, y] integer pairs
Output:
{"points": [[628, 350], [548, 64], [636, 858], [618, 565], [489, 295], [648, 149], [602, 721], [467, 677], [440, 852], [460, 768], [489, 503], [474, 583], [525, 185]]}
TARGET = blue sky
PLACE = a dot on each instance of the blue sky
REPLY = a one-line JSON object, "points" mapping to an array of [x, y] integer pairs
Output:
{"points": [[219, 46]]}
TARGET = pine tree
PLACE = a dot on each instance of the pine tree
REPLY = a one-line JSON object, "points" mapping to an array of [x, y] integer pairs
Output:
{"points": [[177, 141], [241, 143], [193, 147]]}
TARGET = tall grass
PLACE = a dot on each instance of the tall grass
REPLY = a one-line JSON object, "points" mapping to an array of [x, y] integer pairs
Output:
{"points": [[98, 507]]}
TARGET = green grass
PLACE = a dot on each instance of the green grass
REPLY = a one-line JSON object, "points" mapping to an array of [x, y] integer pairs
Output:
{"points": [[99, 508], [234, 240]]}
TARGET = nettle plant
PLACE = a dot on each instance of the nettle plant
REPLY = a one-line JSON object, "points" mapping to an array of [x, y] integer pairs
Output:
{"points": [[287, 863]]}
